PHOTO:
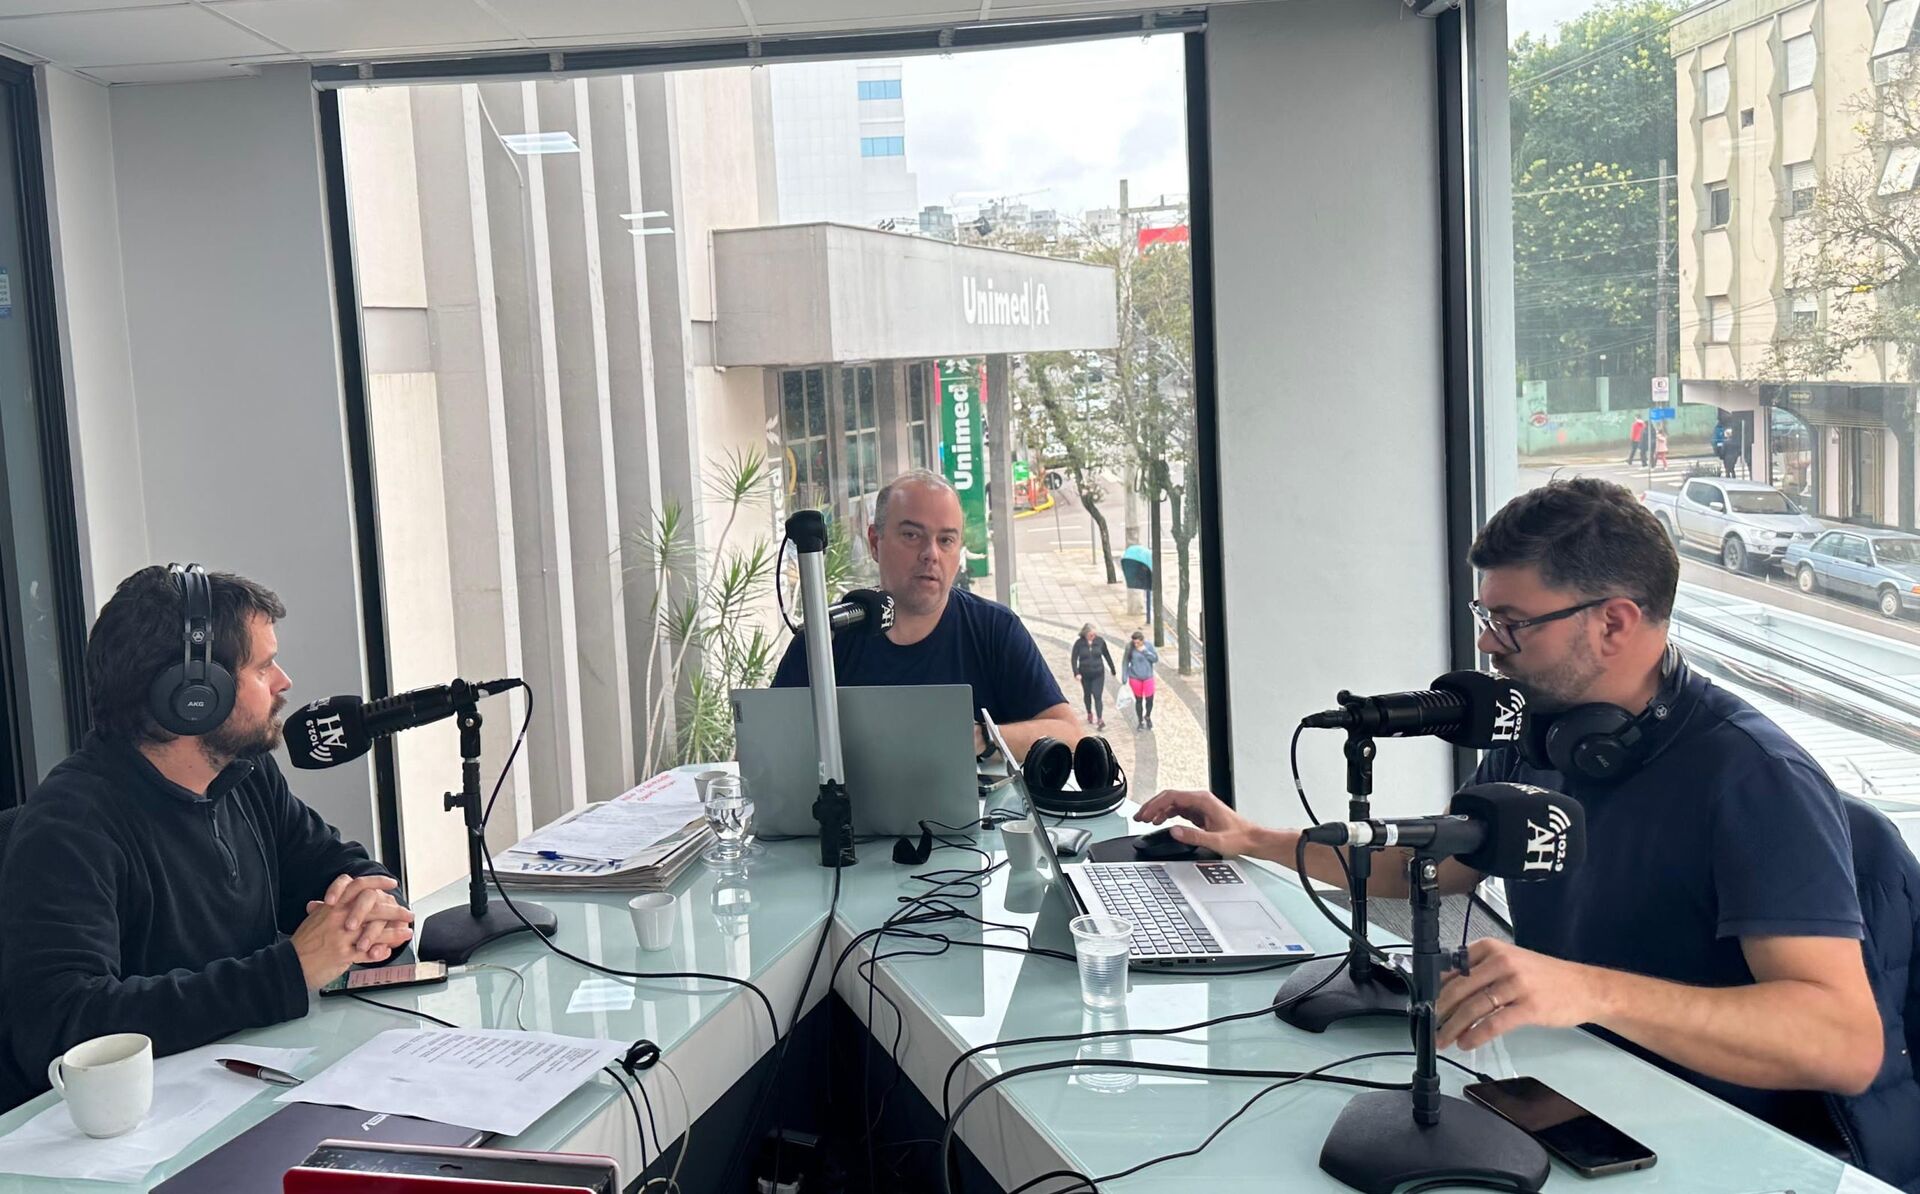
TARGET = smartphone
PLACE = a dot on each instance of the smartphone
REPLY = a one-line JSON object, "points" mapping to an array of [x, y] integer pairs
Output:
{"points": [[1591, 1145], [411, 974]]}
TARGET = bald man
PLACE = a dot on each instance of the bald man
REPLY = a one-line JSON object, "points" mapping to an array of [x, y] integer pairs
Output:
{"points": [[942, 635]]}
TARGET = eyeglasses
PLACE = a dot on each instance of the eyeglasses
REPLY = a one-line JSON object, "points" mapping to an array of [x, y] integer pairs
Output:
{"points": [[1506, 631]]}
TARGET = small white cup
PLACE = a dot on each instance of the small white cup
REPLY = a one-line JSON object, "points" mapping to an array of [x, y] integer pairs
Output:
{"points": [[653, 917], [107, 1083], [1023, 840]]}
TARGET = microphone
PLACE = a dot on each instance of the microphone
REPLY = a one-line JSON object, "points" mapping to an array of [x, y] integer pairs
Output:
{"points": [[868, 610], [1472, 709], [1510, 831], [339, 729]]}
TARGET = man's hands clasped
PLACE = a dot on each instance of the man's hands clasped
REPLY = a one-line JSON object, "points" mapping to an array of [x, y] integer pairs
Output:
{"points": [[357, 920]]}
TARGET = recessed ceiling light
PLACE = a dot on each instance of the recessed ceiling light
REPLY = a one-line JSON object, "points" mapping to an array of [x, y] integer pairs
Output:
{"points": [[531, 143]]}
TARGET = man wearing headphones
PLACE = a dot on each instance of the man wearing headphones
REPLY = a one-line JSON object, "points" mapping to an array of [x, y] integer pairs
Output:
{"points": [[163, 879], [942, 635], [1714, 926]]}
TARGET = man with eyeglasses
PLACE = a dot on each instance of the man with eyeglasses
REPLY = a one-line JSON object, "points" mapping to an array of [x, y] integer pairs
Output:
{"points": [[1714, 926]]}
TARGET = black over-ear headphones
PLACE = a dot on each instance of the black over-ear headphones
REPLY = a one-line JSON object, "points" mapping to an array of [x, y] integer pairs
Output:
{"points": [[1091, 764], [1600, 742], [195, 695]]}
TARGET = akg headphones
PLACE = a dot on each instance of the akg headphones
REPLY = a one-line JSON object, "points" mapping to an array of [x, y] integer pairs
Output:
{"points": [[195, 695], [1599, 742], [1101, 783]]}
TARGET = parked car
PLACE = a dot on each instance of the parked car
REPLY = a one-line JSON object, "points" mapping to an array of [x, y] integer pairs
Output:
{"points": [[1880, 566], [1748, 524]]}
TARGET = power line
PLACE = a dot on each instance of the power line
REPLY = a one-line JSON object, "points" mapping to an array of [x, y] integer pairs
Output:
{"points": [[1594, 186]]}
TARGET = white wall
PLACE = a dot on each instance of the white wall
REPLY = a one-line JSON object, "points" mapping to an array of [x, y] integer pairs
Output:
{"points": [[1327, 307], [230, 322], [82, 207]]}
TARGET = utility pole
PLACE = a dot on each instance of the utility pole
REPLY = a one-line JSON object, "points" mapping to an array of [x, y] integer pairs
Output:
{"points": [[1136, 478], [1661, 367]]}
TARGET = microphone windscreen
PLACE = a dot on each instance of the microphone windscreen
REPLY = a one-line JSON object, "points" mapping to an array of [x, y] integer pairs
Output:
{"points": [[326, 733], [1496, 710], [876, 607], [1532, 833]]}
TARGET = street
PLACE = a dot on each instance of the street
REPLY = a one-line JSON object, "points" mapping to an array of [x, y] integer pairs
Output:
{"points": [[1775, 588]]}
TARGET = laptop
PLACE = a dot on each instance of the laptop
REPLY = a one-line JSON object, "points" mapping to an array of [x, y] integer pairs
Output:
{"points": [[908, 752], [253, 1161], [1187, 913]]}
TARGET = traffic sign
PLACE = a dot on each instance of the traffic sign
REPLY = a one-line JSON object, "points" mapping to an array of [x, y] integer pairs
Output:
{"points": [[1661, 414], [1662, 391], [1020, 470]]}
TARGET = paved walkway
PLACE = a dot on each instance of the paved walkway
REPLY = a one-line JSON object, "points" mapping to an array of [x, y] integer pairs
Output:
{"points": [[1058, 592]]}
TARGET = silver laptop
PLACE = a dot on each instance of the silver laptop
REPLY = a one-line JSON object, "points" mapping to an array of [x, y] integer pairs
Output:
{"points": [[1192, 913], [908, 752]]}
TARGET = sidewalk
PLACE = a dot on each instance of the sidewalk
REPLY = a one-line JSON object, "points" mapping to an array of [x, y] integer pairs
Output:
{"points": [[1057, 593]]}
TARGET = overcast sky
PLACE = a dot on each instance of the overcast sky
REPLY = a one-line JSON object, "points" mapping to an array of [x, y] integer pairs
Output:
{"points": [[1067, 121], [1541, 17]]}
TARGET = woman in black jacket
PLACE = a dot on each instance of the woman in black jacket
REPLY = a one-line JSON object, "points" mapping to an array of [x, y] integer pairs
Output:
{"points": [[1092, 662]]}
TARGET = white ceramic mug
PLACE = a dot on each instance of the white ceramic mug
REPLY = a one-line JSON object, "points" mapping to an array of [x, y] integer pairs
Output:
{"points": [[107, 1083], [1023, 840], [653, 917]]}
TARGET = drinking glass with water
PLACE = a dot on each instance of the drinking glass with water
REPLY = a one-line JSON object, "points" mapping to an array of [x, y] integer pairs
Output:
{"points": [[730, 815], [1100, 943]]}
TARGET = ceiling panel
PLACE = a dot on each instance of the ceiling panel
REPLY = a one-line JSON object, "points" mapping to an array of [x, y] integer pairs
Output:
{"points": [[370, 26], [617, 19], [35, 8], [861, 14], [132, 35], [174, 72]]}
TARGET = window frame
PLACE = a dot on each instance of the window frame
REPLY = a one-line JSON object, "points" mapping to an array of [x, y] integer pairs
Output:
{"points": [[1719, 204], [1724, 310], [1794, 206], [1788, 86], [1722, 77]]}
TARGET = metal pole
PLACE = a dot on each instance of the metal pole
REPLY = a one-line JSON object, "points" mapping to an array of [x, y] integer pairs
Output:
{"points": [[1661, 366]]}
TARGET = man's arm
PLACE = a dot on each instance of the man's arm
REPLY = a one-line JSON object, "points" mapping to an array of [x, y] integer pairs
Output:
{"points": [[315, 864], [63, 886], [1057, 722], [1807, 1022]]}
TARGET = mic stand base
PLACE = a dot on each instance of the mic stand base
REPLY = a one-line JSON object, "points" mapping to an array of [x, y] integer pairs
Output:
{"points": [[452, 935], [1377, 1147], [1382, 993]]}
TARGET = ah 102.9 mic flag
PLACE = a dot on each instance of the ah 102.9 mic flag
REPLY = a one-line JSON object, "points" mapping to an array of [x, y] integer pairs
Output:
{"points": [[1532, 833]]}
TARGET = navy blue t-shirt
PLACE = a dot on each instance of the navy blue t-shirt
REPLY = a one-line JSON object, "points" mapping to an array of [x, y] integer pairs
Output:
{"points": [[977, 642], [1729, 831]]}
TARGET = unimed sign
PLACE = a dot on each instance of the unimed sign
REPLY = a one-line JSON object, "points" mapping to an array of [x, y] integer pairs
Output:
{"points": [[963, 388]]}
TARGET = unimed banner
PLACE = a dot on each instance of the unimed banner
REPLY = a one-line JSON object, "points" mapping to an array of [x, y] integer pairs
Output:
{"points": [[963, 403]]}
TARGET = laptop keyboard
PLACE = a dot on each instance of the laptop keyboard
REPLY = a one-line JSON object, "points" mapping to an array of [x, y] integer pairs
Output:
{"points": [[1163, 921]]}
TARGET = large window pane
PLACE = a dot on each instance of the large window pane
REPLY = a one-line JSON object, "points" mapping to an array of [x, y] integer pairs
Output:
{"points": [[594, 385], [1776, 274]]}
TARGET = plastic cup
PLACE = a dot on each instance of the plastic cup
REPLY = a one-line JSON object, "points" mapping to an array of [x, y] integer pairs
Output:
{"points": [[653, 917], [1100, 944]]}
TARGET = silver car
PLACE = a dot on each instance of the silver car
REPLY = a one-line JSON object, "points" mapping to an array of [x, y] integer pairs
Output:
{"points": [[1747, 524]]}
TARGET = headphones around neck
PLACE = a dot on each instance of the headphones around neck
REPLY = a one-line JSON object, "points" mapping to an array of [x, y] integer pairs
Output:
{"points": [[1091, 765], [195, 695], [1600, 742]]}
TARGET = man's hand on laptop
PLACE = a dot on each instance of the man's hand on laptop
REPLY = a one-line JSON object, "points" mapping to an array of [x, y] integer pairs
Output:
{"points": [[1215, 826]]}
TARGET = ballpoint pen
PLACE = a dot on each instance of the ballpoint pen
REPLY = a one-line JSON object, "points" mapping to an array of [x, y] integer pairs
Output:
{"points": [[265, 1073]]}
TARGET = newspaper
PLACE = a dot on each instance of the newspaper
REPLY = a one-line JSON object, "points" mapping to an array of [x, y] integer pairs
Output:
{"points": [[640, 840]]}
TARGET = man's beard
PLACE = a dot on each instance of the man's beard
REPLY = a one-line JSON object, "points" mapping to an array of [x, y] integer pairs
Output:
{"points": [[229, 741], [1559, 686]]}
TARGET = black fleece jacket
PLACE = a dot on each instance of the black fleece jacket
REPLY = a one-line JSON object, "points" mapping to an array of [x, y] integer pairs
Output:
{"points": [[130, 904]]}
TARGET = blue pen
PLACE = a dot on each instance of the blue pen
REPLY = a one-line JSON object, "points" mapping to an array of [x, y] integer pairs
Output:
{"points": [[552, 855]]}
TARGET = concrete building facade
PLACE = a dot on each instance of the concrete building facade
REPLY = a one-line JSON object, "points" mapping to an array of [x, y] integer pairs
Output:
{"points": [[840, 142], [1770, 97]]}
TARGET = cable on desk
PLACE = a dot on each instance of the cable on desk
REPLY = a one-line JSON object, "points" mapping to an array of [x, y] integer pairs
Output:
{"points": [[773, 1020], [1293, 757]]}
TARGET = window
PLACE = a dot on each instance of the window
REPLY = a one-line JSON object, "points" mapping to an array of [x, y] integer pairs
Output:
{"points": [[1802, 186], [1702, 494], [1804, 314], [1903, 553], [917, 387], [879, 89], [1903, 163], [1854, 550], [1719, 320], [803, 432], [1761, 501], [1715, 80], [1719, 206], [1746, 118], [1827, 544], [1896, 27], [1801, 57], [861, 422], [882, 147]]}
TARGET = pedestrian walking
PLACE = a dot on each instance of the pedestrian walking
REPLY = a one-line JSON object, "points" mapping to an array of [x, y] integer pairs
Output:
{"points": [[1660, 445], [1637, 440], [1730, 451], [1092, 662], [1137, 665]]}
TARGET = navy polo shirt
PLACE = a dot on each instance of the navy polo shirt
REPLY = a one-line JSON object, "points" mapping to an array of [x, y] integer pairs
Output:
{"points": [[976, 642], [1729, 831]]}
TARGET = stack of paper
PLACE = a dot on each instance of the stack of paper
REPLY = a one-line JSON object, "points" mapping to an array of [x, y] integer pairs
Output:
{"points": [[641, 839]]}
